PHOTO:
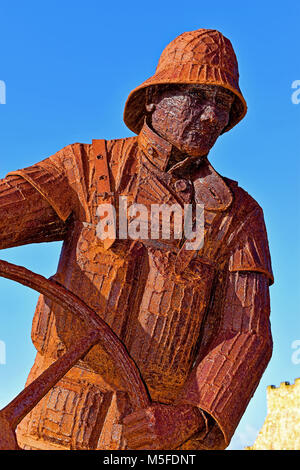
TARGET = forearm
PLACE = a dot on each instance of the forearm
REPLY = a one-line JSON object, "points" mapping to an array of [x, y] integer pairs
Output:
{"points": [[25, 216], [163, 426], [226, 376]]}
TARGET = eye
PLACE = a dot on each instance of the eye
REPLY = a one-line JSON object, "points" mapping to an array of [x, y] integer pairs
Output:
{"points": [[225, 99], [197, 93]]}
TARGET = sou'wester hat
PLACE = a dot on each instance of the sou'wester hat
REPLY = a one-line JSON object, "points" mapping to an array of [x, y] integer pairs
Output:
{"points": [[203, 56]]}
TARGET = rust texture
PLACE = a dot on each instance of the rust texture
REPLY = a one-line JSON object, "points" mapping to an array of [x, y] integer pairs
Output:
{"points": [[144, 344], [13, 413]]}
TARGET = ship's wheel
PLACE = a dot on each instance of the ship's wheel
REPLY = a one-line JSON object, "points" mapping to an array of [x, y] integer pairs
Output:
{"points": [[98, 332]]}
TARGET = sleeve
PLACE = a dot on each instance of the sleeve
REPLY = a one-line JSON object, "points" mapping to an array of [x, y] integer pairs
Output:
{"points": [[25, 217], [230, 367], [249, 246], [36, 201]]}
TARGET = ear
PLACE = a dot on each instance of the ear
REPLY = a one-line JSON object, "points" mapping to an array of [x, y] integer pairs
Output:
{"points": [[149, 105], [150, 108]]}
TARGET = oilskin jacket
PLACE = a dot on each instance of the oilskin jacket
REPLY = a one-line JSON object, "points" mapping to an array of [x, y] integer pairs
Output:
{"points": [[196, 322]]}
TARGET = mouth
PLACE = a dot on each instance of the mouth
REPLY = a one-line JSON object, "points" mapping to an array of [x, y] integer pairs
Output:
{"points": [[203, 136], [203, 129], [197, 141]]}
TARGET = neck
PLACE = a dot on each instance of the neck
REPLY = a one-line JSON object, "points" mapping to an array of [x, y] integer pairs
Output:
{"points": [[176, 157]]}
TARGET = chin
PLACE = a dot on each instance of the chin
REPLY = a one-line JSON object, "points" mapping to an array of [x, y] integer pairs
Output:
{"points": [[198, 148], [196, 151]]}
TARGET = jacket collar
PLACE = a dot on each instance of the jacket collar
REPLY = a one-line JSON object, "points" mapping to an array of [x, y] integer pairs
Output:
{"points": [[210, 187], [157, 150]]}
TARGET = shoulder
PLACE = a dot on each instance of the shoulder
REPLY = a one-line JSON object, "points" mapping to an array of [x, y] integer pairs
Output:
{"points": [[115, 149], [244, 203], [80, 154], [121, 144], [248, 241]]}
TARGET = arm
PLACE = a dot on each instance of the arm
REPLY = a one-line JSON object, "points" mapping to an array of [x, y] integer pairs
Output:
{"points": [[222, 381], [25, 216], [227, 373], [36, 202]]}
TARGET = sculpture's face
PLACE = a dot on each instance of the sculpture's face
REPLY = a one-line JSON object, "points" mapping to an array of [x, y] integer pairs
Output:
{"points": [[190, 117]]}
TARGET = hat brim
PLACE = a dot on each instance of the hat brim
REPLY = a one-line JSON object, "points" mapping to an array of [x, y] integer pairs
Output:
{"points": [[135, 110]]}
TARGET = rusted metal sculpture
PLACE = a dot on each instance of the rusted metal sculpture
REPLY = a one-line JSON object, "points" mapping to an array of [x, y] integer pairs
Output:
{"points": [[192, 326]]}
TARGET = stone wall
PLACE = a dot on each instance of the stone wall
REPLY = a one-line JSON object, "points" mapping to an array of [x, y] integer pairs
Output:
{"points": [[281, 429]]}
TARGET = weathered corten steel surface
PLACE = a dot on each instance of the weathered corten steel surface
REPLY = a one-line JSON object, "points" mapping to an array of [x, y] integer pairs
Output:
{"points": [[194, 322]]}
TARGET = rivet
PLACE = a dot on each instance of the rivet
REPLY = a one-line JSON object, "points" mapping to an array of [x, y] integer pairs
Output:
{"points": [[180, 185]]}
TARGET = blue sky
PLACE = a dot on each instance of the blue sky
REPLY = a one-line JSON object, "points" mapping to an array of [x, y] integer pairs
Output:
{"points": [[69, 66]]}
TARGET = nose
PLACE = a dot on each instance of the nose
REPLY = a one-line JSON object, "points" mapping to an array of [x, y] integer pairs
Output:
{"points": [[209, 114]]}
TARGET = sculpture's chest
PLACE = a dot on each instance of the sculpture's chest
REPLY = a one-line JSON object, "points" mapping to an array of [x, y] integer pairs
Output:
{"points": [[152, 291], [145, 246]]}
